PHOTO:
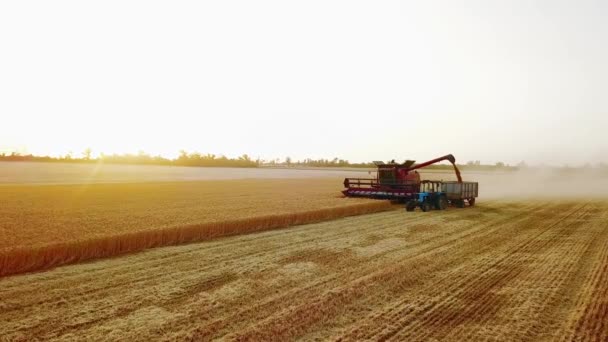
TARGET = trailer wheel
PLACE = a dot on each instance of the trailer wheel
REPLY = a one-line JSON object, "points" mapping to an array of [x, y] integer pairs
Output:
{"points": [[460, 203], [471, 201], [441, 203], [410, 206], [426, 206]]}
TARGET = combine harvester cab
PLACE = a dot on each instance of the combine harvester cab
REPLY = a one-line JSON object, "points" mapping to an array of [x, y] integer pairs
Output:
{"points": [[393, 181]]}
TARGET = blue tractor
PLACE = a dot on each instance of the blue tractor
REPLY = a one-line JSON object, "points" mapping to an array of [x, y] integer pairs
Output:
{"points": [[430, 197]]}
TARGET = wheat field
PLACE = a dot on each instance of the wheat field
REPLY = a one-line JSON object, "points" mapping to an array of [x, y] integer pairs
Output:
{"points": [[503, 271], [49, 225]]}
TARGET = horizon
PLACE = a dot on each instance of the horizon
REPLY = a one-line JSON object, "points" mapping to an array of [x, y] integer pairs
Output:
{"points": [[99, 157], [488, 81]]}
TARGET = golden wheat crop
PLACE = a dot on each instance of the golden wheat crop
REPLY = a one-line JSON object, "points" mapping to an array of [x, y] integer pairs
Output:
{"points": [[43, 226]]}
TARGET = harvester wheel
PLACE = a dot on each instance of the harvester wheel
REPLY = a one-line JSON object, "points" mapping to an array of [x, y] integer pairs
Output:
{"points": [[472, 201], [410, 206], [426, 206], [441, 203]]}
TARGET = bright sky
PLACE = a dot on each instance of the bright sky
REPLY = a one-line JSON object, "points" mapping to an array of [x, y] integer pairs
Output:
{"points": [[361, 80]]}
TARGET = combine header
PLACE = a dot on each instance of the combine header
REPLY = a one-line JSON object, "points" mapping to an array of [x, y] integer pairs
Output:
{"points": [[402, 182]]}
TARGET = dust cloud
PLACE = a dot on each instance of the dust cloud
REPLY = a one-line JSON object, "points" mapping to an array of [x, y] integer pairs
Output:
{"points": [[536, 183]]}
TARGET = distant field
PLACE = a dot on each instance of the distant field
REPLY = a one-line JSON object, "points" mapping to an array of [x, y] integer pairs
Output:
{"points": [[501, 271], [48, 225], [71, 173]]}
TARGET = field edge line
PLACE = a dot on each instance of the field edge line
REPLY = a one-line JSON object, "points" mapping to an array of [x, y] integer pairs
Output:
{"points": [[24, 259]]}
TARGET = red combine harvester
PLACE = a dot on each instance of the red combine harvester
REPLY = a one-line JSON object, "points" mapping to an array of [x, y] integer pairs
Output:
{"points": [[402, 182]]}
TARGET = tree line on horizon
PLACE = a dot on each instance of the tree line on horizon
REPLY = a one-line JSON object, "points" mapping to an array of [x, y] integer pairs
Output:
{"points": [[211, 160], [141, 158]]}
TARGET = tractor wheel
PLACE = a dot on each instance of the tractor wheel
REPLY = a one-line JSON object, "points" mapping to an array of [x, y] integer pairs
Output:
{"points": [[410, 206], [471, 201], [426, 206], [436, 203], [441, 203]]}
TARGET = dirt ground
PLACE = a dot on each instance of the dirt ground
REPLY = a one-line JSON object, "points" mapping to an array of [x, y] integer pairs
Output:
{"points": [[503, 270]]}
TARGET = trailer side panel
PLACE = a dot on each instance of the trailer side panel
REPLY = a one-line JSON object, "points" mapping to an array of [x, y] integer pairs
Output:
{"points": [[464, 190]]}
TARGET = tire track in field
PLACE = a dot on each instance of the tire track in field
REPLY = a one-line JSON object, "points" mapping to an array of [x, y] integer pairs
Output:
{"points": [[541, 294], [491, 300], [365, 272], [573, 295], [475, 289], [269, 305], [363, 279], [397, 226], [276, 300], [387, 321], [496, 234], [590, 324], [420, 272]]}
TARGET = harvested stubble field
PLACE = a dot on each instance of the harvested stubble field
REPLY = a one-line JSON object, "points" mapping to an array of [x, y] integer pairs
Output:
{"points": [[520, 270], [48, 225]]}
